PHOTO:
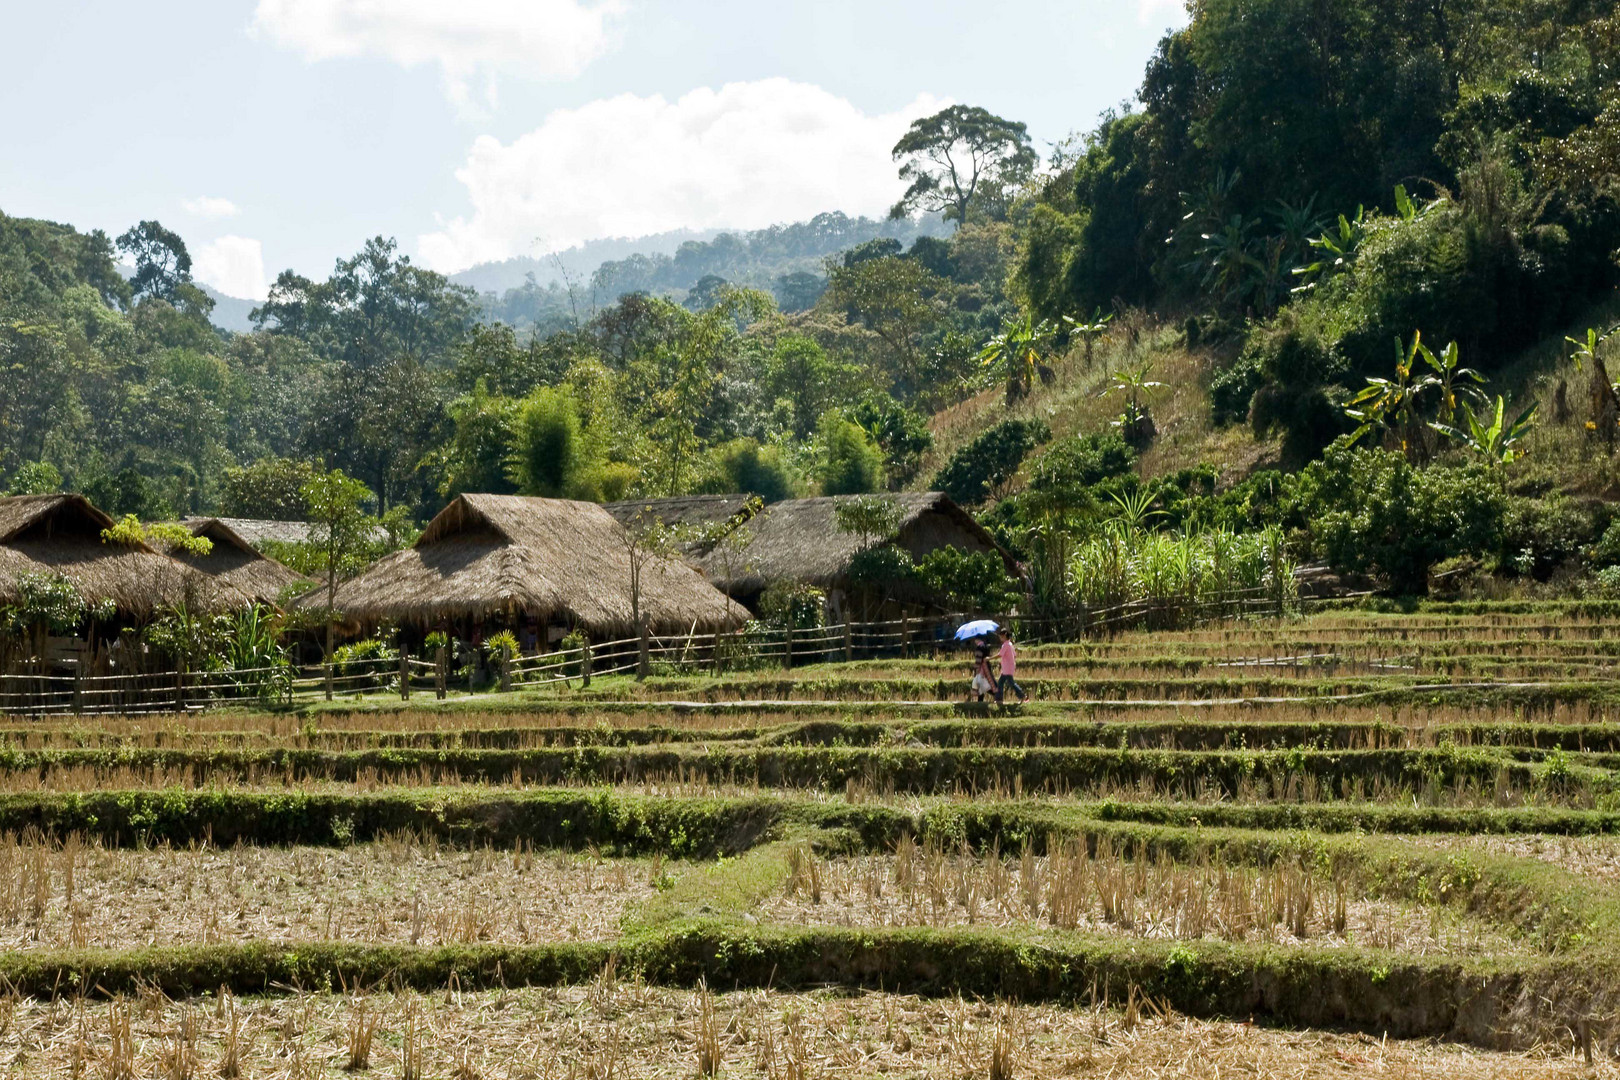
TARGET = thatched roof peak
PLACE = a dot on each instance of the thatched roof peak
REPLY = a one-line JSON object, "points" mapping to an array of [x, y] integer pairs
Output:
{"points": [[43, 517], [800, 540], [238, 563], [61, 535], [510, 555]]}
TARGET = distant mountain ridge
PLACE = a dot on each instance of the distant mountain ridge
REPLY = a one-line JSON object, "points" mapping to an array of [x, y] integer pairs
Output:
{"points": [[785, 260], [580, 261]]}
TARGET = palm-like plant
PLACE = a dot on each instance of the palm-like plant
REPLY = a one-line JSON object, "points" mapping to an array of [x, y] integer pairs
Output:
{"points": [[1451, 379], [1089, 329], [1020, 346], [1133, 511], [1334, 249], [1498, 441], [1390, 405], [1586, 350], [1228, 255], [1135, 423]]}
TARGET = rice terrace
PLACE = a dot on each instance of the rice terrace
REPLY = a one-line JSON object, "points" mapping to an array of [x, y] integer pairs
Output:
{"points": [[670, 540], [1340, 841]]}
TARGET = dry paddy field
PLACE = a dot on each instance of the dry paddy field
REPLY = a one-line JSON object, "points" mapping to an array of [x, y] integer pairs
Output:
{"points": [[1358, 843]]}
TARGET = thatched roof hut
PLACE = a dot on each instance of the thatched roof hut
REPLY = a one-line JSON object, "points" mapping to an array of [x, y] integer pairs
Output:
{"points": [[506, 556], [237, 563], [61, 535], [799, 540]]}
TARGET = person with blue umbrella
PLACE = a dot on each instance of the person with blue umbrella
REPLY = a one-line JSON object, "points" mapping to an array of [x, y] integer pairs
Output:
{"points": [[979, 631]]}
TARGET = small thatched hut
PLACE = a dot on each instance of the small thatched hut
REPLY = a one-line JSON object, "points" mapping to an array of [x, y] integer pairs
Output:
{"points": [[538, 566], [237, 563], [799, 540], [61, 535]]}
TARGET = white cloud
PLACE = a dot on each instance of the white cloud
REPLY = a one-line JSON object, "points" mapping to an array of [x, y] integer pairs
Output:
{"points": [[208, 206], [467, 40], [745, 156], [1149, 10], [232, 264]]}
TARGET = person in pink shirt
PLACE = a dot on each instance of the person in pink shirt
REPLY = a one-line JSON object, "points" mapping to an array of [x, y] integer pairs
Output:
{"points": [[1009, 668]]}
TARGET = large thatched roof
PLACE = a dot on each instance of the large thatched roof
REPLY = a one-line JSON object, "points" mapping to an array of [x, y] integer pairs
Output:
{"points": [[799, 540], [61, 534], [235, 561], [506, 555]]}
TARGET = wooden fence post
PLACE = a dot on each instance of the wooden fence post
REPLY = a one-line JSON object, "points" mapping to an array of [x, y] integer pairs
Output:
{"points": [[78, 688], [643, 653], [787, 646], [849, 642], [715, 657], [905, 636], [404, 675], [506, 670], [585, 661], [328, 677], [441, 672], [180, 688]]}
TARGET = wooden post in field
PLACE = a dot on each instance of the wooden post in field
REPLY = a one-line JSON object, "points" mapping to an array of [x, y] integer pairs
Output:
{"points": [[585, 661], [506, 670], [849, 642], [180, 688], [441, 672], [905, 635], [787, 644], [328, 676], [78, 688], [643, 654], [404, 675], [715, 657]]}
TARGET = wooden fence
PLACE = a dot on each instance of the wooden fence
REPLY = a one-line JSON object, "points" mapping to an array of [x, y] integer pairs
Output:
{"points": [[78, 693]]}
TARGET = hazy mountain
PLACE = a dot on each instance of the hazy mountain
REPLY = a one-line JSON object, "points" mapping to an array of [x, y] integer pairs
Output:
{"points": [[230, 312], [786, 260], [580, 261]]}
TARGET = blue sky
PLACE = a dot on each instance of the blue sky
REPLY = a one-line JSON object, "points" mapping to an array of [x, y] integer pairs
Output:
{"points": [[282, 133]]}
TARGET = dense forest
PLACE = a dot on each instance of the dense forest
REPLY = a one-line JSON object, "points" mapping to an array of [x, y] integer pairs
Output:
{"points": [[1355, 217]]}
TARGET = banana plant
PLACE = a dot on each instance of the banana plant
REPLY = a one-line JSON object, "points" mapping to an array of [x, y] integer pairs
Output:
{"points": [[1335, 249], [1089, 329], [1391, 404], [1586, 351], [1135, 423], [1231, 266], [1020, 346], [1496, 442], [1451, 379]]}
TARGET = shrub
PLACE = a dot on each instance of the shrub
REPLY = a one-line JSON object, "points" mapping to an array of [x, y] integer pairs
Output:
{"points": [[1080, 461], [853, 466], [742, 465], [983, 468], [1540, 535], [968, 580], [792, 603], [1369, 510], [1232, 389], [36, 478]]}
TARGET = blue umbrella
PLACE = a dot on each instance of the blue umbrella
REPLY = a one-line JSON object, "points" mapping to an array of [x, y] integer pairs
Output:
{"points": [[976, 628]]}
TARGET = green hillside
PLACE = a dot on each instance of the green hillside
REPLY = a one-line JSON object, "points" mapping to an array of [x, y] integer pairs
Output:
{"points": [[1317, 283]]}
